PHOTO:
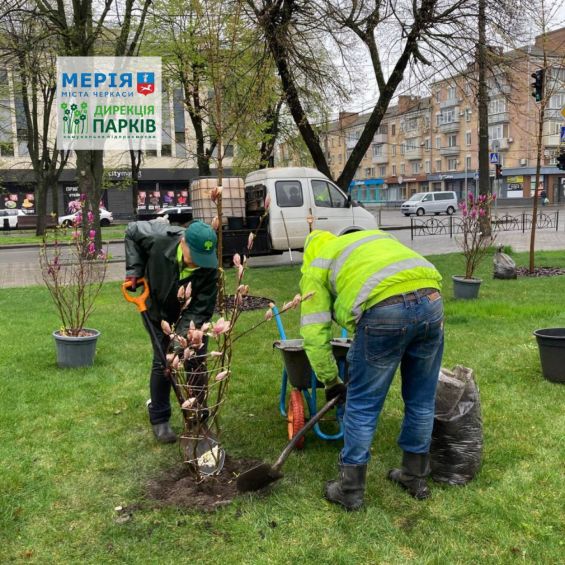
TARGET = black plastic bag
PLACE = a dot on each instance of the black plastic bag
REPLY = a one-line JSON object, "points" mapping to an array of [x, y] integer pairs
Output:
{"points": [[457, 437], [504, 266]]}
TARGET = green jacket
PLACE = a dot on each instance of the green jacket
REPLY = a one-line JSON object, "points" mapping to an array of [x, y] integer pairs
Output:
{"points": [[348, 275], [151, 252]]}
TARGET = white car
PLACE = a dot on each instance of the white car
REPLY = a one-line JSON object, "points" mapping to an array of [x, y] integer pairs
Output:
{"points": [[178, 214], [106, 218], [9, 218], [441, 202]]}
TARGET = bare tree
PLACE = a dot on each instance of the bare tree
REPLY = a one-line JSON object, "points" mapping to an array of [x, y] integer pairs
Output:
{"points": [[30, 49], [80, 27]]}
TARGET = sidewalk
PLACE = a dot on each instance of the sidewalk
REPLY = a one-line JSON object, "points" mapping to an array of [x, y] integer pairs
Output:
{"points": [[27, 273]]}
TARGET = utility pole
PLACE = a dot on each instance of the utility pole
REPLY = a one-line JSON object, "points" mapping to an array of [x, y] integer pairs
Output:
{"points": [[482, 104]]}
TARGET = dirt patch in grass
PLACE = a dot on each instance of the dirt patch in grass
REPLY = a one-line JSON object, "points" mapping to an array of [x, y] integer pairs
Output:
{"points": [[177, 487], [540, 272]]}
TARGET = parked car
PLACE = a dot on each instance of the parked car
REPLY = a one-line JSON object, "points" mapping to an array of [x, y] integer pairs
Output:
{"points": [[176, 214], [430, 203], [106, 218], [9, 218], [297, 193]]}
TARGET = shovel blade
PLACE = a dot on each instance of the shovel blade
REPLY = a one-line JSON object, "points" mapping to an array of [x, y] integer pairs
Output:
{"points": [[258, 478]]}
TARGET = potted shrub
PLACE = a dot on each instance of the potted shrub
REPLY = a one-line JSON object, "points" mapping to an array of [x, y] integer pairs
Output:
{"points": [[73, 272], [473, 242]]}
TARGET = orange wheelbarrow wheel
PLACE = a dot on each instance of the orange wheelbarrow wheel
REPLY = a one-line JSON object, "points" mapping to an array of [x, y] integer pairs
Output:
{"points": [[296, 416]]}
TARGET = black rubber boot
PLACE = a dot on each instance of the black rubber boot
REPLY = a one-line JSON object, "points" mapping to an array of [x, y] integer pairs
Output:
{"points": [[412, 475], [164, 433], [349, 489]]}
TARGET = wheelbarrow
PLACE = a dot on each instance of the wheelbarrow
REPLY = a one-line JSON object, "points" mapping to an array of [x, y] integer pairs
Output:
{"points": [[304, 384]]}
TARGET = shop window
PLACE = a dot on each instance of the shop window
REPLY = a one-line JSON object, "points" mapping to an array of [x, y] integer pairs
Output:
{"points": [[166, 150], [180, 142]]}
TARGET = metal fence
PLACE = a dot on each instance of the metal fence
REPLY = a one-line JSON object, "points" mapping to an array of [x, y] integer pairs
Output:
{"points": [[452, 225]]}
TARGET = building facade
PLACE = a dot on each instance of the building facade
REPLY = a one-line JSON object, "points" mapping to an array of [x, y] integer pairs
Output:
{"points": [[431, 143], [164, 178]]}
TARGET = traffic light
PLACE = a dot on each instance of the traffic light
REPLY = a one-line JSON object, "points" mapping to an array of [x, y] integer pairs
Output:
{"points": [[537, 85], [498, 171], [561, 161]]}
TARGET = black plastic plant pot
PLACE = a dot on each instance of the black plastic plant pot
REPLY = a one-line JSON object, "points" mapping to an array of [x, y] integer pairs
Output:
{"points": [[551, 343]]}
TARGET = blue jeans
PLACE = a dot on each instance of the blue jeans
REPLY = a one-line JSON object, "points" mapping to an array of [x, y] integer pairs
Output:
{"points": [[409, 334]]}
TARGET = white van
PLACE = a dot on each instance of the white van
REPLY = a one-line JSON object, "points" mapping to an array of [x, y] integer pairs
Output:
{"points": [[421, 203], [297, 192]]}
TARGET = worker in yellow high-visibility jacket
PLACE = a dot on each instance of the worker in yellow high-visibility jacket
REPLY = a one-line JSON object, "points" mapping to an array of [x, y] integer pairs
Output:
{"points": [[388, 296]]}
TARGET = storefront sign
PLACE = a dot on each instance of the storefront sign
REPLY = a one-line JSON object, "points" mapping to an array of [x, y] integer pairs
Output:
{"points": [[71, 193], [18, 199], [155, 200], [109, 103]]}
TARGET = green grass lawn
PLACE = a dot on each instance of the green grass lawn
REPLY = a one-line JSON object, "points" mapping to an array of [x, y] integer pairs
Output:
{"points": [[18, 237], [74, 444]]}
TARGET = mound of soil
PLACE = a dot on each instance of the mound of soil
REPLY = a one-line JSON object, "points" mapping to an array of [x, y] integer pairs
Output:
{"points": [[177, 487], [540, 272], [249, 302]]}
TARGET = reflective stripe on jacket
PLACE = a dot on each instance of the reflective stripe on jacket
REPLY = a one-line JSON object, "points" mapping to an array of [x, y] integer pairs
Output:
{"points": [[348, 275]]}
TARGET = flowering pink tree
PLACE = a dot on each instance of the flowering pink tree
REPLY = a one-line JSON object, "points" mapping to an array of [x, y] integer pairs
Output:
{"points": [[73, 272], [200, 374], [475, 211]]}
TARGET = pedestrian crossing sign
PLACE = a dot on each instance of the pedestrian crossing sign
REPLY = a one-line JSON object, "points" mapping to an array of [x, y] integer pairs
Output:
{"points": [[493, 158]]}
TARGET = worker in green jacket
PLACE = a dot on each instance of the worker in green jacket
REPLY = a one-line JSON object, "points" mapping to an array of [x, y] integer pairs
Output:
{"points": [[387, 296], [168, 257]]}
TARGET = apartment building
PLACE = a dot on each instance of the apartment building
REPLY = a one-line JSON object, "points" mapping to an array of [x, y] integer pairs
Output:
{"points": [[165, 174], [431, 143]]}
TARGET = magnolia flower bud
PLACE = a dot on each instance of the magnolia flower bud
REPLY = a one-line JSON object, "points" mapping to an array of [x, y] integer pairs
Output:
{"points": [[189, 403], [215, 223], [269, 315], [180, 294], [166, 327], [236, 260], [222, 376]]}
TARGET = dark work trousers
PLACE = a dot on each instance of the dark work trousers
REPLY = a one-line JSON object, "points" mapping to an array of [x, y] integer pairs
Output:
{"points": [[160, 385]]}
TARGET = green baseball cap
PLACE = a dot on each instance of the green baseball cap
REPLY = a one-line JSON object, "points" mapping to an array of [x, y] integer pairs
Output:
{"points": [[202, 241]]}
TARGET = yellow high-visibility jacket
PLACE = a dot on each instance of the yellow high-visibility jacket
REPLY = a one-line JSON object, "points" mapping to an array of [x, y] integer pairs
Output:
{"points": [[348, 275]]}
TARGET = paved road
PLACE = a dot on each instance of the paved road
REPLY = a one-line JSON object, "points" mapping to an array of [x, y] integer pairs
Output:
{"points": [[20, 267]]}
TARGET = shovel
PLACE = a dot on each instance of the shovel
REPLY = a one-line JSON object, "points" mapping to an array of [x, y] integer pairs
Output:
{"points": [[264, 474], [207, 449]]}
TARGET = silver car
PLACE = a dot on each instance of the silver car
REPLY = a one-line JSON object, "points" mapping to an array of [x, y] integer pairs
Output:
{"points": [[442, 202]]}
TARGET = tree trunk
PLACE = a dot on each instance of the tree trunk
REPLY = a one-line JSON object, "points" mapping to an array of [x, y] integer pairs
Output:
{"points": [[482, 105], [90, 169], [40, 204]]}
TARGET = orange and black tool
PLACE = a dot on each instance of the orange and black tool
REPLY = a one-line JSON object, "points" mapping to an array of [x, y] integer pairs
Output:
{"points": [[140, 302]]}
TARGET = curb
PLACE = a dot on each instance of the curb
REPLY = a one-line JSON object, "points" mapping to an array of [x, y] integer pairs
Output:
{"points": [[32, 245]]}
